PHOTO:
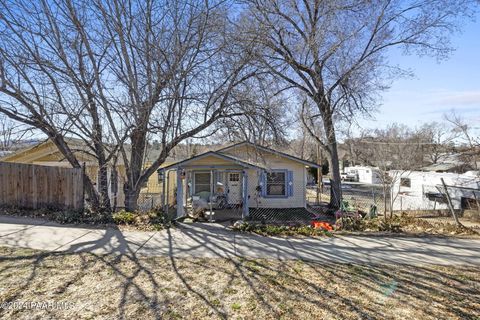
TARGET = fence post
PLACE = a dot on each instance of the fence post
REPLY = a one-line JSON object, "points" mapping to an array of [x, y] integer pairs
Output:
{"points": [[476, 201], [167, 173], [84, 173], [450, 203], [163, 191]]}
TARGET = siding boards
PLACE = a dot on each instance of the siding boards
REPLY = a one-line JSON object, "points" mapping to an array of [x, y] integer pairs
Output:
{"points": [[32, 187]]}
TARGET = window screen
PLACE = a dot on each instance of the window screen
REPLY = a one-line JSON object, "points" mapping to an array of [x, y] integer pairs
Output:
{"points": [[405, 182], [202, 182], [276, 184]]}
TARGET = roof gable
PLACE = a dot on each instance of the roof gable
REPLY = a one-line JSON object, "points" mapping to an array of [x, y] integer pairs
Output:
{"points": [[32, 153], [46, 151], [224, 157], [268, 150]]}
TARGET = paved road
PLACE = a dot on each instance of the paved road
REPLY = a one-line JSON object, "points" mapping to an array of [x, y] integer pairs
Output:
{"points": [[213, 240]]}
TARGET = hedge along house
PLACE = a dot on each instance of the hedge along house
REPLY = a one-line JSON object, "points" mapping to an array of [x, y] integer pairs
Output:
{"points": [[247, 175]]}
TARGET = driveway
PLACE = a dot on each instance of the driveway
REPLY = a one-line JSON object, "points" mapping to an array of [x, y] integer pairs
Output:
{"points": [[214, 240]]}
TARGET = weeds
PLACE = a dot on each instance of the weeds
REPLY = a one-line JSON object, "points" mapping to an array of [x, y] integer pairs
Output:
{"points": [[400, 223], [154, 220], [274, 230]]}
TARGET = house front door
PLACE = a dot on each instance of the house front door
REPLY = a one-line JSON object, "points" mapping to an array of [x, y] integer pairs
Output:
{"points": [[234, 188]]}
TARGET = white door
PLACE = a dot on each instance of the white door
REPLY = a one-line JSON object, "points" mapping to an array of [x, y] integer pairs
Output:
{"points": [[234, 188]]}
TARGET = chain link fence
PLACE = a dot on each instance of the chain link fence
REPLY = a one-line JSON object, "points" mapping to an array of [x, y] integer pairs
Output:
{"points": [[425, 201], [431, 200], [358, 196], [149, 201], [226, 204]]}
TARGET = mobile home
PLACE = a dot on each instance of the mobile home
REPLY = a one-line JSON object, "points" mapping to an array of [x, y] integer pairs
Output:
{"points": [[418, 190]]}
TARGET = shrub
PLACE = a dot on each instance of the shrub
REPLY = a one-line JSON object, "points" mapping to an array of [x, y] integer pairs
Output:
{"points": [[153, 220], [124, 217], [61, 216], [350, 223], [275, 230]]}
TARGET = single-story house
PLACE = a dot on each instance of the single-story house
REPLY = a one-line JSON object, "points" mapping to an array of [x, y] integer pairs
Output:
{"points": [[248, 175], [420, 190]]}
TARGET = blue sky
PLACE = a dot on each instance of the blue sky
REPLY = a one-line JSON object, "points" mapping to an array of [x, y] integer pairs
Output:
{"points": [[437, 87]]}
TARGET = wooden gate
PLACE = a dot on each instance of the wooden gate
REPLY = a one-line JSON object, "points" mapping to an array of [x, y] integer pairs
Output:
{"points": [[33, 187]]}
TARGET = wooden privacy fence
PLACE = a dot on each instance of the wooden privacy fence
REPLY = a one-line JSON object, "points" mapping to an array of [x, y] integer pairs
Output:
{"points": [[33, 187]]}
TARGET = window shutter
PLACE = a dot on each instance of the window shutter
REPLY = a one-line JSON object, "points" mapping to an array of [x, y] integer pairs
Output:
{"points": [[263, 183], [290, 183]]}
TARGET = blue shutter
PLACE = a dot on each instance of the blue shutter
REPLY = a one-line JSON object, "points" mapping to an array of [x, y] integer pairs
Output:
{"points": [[263, 183], [290, 183]]}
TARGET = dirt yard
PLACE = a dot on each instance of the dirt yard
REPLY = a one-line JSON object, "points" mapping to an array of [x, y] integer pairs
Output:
{"points": [[106, 287]]}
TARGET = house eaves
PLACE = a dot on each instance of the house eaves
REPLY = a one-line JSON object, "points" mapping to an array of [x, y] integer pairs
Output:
{"points": [[266, 149], [234, 160]]}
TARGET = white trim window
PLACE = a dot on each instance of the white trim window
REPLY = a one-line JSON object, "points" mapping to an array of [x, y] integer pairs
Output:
{"points": [[277, 183], [202, 182]]}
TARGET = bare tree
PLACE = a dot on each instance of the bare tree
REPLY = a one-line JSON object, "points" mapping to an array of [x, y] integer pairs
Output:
{"points": [[47, 80], [470, 140], [116, 73], [265, 119], [182, 77], [303, 145], [440, 140], [11, 133], [334, 52], [396, 150]]}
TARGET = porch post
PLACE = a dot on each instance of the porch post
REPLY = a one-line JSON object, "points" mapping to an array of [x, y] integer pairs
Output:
{"points": [[210, 198], [180, 210], [245, 194]]}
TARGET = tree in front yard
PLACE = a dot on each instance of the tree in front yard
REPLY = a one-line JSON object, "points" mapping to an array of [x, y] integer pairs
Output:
{"points": [[333, 54], [115, 74]]}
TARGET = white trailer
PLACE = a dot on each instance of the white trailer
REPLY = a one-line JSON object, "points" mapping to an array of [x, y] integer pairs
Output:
{"points": [[369, 175], [418, 190]]}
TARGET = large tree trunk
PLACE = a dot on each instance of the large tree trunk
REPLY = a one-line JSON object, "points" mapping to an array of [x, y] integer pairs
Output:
{"points": [[336, 179], [103, 189], [134, 173], [97, 139], [131, 198], [333, 162]]}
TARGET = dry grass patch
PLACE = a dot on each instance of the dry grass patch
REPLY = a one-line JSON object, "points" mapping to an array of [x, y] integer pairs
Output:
{"points": [[106, 287], [405, 224]]}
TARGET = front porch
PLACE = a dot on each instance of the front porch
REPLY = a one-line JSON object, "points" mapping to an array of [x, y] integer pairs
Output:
{"points": [[213, 194], [212, 185]]}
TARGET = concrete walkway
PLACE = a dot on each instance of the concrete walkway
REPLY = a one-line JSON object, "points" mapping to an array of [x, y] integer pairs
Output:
{"points": [[213, 240]]}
